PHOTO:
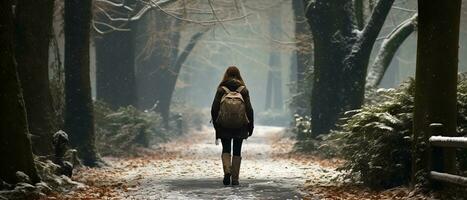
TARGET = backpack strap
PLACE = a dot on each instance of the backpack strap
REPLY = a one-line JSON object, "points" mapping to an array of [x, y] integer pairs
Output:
{"points": [[225, 89], [239, 89]]}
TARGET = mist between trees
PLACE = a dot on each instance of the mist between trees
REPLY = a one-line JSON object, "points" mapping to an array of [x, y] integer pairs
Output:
{"points": [[121, 76]]}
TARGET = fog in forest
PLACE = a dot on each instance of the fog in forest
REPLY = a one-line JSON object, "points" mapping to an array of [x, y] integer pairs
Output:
{"points": [[249, 43], [343, 99]]}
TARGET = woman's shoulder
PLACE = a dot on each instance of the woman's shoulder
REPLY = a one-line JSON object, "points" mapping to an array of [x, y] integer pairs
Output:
{"points": [[244, 90]]}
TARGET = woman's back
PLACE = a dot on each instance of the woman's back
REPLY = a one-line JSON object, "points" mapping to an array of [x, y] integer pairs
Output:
{"points": [[224, 107]]}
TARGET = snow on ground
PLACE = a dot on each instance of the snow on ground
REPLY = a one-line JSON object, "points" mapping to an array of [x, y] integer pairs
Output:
{"points": [[190, 168]]}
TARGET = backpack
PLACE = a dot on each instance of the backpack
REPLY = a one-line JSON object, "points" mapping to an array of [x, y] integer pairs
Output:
{"points": [[232, 112]]}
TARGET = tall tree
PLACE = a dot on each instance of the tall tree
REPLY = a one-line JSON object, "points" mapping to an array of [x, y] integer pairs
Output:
{"points": [[32, 56], [115, 79], [155, 34], [341, 56], [388, 49], [303, 56], [274, 98], [435, 79], [14, 140], [79, 117], [157, 72]]}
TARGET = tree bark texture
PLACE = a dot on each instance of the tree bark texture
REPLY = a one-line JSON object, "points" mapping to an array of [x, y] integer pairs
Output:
{"points": [[32, 56], [15, 144], [331, 26], [341, 56], [79, 117], [356, 63], [435, 81]]}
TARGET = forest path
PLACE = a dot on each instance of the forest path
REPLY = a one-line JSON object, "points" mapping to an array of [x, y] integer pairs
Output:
{"points": [[190, 168]]}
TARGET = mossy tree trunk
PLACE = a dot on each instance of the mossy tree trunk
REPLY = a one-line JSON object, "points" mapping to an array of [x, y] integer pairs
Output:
{"points": [[79, 117], [32, 55], [435, 81], [15, 144]]}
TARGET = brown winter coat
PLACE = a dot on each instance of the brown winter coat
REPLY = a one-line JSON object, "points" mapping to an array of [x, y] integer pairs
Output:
{"points": [[226, 133]]}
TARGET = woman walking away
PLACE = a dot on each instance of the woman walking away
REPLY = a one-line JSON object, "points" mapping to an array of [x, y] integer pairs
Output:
{"points": [[232, 116]]}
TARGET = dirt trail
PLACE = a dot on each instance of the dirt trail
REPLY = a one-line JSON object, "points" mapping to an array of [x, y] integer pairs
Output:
{"points": [[190, 168]]}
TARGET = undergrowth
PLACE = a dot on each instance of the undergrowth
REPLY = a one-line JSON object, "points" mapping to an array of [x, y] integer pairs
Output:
{"points": [[375, 141], [124, 131]]}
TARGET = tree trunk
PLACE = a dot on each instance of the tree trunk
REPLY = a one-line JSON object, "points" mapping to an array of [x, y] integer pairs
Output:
{"points": [[326, 18], [356, 63], [391, 75], [435, 81], [79, 117], [14, 140], [268, 103], [274, 90], [389, 47], [32, 56], [157, 73], [359, 8], [170, 74], [303, 53], [115, 80], [154, 57], [341, 58], [303, 39], [278, 102]]}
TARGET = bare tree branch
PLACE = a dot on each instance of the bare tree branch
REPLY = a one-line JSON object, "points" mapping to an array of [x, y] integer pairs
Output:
{"points": [[116, 4], [204, 23], [388, 48], [404, 9], [109, 30], [216, 17], [266, 37]]}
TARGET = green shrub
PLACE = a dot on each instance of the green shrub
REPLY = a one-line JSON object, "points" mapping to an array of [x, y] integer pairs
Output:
{"points": [[375, 141], [123, 132], [302, 127]]}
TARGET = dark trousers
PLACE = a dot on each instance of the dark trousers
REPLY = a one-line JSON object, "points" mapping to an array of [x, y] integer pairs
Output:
{"points": [[237, 146]]}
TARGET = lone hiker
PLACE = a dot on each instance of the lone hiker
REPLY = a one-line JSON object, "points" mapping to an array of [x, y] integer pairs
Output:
{"points": [[232, 116]]}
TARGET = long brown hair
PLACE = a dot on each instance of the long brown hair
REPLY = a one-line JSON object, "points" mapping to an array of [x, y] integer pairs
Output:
{"points": [[232, 72]]}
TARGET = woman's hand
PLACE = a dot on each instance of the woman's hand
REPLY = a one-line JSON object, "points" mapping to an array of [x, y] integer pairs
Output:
{"points": [[250, 130]]}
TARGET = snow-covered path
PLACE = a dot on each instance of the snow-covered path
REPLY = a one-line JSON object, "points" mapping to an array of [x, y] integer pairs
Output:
{"points": [[190, 168]]}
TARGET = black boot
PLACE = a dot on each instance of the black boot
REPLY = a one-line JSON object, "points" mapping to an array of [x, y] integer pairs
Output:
{"points": [[236, 160], [226, 165], [226, 179]]}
